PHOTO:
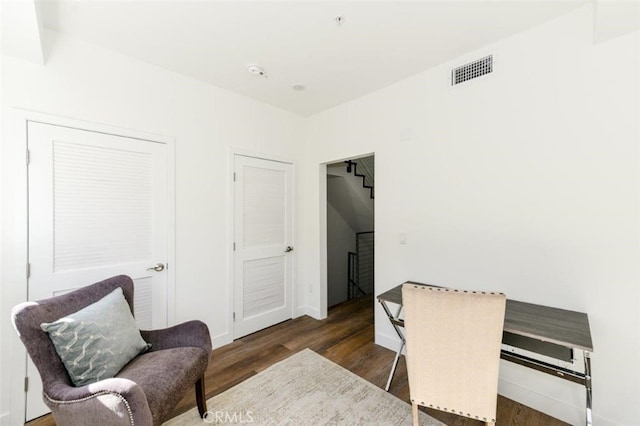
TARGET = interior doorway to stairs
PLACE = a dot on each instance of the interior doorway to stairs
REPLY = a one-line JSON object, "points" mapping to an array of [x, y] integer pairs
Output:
{"points": [[350, 229]]}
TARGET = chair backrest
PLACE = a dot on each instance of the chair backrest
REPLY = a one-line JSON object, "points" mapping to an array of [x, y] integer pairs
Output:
{"points": [[28, 316], [453, 349]]}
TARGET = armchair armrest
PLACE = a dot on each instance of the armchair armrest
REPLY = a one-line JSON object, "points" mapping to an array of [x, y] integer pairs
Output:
{"points": [[188, 334], [120, 400]]}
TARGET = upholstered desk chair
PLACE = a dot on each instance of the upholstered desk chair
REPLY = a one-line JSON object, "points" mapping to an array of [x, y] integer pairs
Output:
{"points": [[453, 350], [144, 392]]}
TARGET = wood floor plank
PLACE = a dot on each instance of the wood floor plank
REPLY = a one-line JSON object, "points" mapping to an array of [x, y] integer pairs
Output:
{"points": [[346, 337]]}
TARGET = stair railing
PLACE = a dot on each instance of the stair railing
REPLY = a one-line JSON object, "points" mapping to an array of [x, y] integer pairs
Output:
{"points": [[353, 290], [360, 267]]}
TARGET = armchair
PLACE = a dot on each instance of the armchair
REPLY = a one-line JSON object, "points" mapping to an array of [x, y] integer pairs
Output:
{"points": [[144, 392]]}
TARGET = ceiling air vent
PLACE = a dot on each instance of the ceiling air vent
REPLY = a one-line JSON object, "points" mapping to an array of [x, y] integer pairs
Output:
{"points": [[472, 70]]}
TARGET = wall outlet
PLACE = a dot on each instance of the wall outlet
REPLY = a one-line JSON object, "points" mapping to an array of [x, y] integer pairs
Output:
{"points": [[403, 238]]}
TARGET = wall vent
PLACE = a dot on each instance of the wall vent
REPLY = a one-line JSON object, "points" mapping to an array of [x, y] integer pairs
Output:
{"points": [[472, 70]]}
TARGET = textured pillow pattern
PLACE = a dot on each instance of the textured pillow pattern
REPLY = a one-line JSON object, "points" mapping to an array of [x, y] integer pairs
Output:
{"points": [[98, 340]]}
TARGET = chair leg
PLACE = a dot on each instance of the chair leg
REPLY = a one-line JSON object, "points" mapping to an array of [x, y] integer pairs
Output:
{"points": [[200, 397], [414, 413]]}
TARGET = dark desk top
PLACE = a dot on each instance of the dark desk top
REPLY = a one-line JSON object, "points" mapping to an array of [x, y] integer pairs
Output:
{"points": [[559, 326]]}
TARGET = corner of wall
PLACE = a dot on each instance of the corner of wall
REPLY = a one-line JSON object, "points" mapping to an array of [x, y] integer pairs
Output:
{"points": [[221, 340], [308, 310]]}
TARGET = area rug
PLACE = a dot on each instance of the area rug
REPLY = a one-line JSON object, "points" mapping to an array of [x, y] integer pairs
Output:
{"points": [[304, 389]]}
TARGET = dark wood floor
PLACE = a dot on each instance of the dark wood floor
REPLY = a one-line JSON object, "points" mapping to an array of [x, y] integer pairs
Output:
{"points": [[346, 338]]}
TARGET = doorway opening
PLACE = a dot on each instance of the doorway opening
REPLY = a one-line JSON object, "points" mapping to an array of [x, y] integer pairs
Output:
{"points": [[350, 229]]}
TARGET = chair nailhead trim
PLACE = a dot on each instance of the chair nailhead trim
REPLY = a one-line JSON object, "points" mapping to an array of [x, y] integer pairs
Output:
{"points": [[424, 287], [452, 410], [86, 398]]}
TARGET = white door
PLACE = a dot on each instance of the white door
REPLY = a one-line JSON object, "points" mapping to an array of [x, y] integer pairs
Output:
{"points": [[97, 208], [263, 240]]}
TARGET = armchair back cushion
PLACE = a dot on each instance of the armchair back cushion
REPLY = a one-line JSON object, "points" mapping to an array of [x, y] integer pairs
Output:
{"points": [[95, 342]]}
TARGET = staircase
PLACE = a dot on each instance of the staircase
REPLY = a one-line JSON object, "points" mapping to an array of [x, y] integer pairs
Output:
{"points": [[360, 268], [363, 168]]}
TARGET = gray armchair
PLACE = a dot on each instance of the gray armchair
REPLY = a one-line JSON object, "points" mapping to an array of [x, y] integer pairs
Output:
{"points": [[144, 392]]}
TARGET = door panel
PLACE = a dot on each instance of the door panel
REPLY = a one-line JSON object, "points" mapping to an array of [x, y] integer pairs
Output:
{"points": [[97, 208], [263, 226], [102, 206], [264, 286]]}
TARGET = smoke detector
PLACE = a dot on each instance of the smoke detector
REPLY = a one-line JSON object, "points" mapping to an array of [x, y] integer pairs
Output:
{"points": [[256, 70]]}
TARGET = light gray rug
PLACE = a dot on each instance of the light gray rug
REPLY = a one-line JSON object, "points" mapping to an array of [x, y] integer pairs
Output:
{"points": [[304, 389]]}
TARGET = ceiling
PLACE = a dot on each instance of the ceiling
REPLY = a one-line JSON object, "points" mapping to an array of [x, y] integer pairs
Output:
{"points": [[297, 42]]}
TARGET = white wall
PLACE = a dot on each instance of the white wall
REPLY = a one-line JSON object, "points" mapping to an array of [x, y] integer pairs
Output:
{"points": [[88, 83], [525, 181]]}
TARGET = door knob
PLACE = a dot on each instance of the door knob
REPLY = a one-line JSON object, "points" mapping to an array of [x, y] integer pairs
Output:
{"points": [[159, 267], [288, 249]]}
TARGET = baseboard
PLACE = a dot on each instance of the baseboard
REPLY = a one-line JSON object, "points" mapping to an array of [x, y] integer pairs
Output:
{"points": [[560, 409], [387, 341], [555, 408], [308, 310], [5, 419], [221, 340]]}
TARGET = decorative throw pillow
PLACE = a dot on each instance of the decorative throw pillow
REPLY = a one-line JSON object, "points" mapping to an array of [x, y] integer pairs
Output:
{"points": [[98, 340]]}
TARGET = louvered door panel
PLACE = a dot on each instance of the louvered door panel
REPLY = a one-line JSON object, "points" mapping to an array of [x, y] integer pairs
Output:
{"points": [[102, 206], [264, 206], [264, 286]]}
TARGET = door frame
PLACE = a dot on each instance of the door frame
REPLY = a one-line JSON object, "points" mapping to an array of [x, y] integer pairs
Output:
{"points": [[229, 336], [324, 283], [16, 214]]}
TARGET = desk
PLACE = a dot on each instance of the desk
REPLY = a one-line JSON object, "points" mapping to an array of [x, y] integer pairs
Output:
{"points": [[552, 332]]}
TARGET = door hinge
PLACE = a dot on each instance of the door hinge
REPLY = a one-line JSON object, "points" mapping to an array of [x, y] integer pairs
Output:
{"points": [[26, 384], [28, 157], [234, 176], [234, 246], [234, 317], [28, 270]]}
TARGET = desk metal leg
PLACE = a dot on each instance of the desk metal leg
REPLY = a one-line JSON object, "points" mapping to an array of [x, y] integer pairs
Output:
{"points": [[394, 366], [396, 327], [587, 384]]}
